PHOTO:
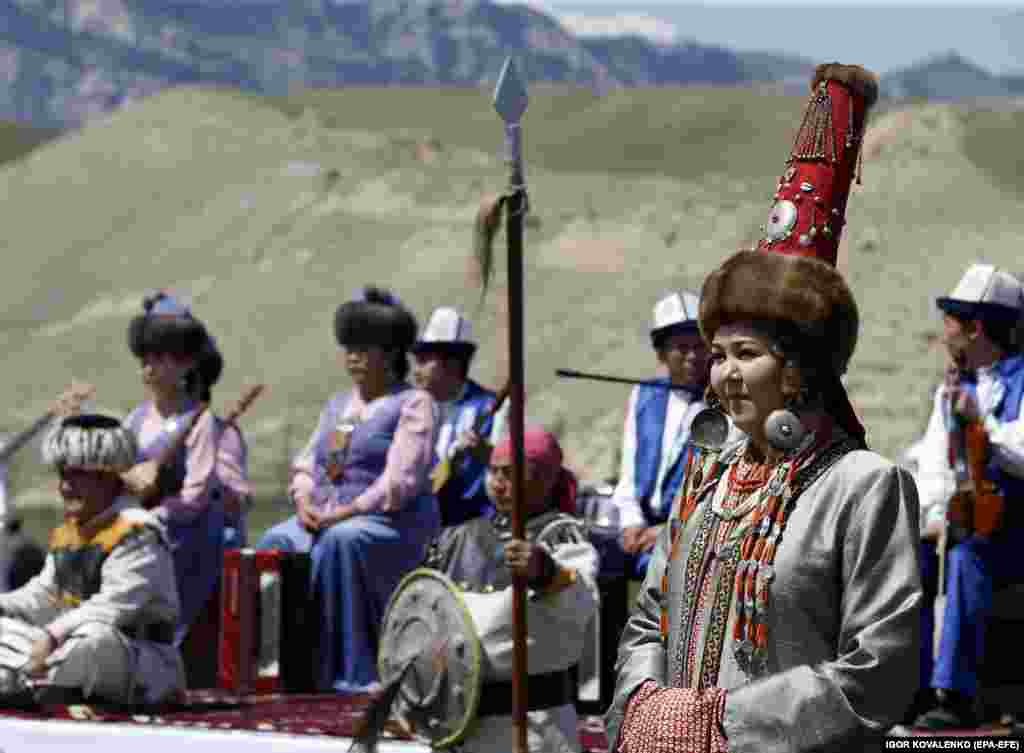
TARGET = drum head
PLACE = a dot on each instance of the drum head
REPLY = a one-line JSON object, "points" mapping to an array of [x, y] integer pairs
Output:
{"points": [[428, 628]]}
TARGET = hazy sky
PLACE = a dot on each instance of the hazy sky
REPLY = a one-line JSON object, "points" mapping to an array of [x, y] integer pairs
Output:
{"points": [[879, 35]]}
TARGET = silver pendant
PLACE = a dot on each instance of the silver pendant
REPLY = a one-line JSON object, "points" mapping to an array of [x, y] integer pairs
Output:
{"points": [[784, 430], [781, 220]]}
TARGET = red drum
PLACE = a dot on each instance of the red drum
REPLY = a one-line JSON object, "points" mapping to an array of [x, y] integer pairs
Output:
{"points": [[270, 625]]}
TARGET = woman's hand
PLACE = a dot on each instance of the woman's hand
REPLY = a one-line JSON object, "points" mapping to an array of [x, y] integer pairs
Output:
{"points": [[337, 515], [309, 517]]}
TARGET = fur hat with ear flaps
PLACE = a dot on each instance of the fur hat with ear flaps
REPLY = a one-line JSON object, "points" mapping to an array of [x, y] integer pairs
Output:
{"points": [[791, 276]]}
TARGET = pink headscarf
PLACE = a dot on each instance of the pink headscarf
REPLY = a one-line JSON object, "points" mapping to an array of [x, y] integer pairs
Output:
{"points": [[541, 447]]}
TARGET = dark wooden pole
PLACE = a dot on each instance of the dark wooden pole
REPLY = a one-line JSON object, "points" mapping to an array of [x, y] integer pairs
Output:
{"points": [[510, 101]]}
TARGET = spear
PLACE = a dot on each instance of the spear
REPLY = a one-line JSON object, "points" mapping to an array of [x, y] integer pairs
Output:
{"points": [[510, 101]]}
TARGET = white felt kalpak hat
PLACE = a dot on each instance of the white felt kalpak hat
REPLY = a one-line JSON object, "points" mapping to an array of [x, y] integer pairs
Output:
{"points": [[985, 291], [446, 330], [675, 311]]}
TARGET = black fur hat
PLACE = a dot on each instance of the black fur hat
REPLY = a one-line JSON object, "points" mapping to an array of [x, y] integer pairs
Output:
{"points": [[377, 318], [165, 326], [168, 326]]}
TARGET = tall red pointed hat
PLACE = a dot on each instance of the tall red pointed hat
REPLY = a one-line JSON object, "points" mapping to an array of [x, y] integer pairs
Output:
{"points": [[791, 277], [810, 201]]}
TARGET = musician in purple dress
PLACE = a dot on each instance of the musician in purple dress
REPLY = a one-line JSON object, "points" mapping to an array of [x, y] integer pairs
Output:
{"points": [[361, 488], [202, 495]]}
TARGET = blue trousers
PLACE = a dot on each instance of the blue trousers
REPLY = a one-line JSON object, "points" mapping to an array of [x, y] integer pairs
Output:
{"points": [[198, 551], [974, 568], [356, 565]]}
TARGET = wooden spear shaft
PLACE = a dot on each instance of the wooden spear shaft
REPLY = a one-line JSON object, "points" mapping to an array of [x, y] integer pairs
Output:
{"points": [[510, 102]]}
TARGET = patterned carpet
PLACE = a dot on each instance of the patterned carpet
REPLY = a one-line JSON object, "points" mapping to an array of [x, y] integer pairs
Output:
{"points": [[305, 715], [313, 715]]}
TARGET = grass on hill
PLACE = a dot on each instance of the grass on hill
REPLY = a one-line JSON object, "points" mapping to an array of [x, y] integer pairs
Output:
{"points": [[676, 132], [269, 212], [18, 139], [992, 143]]}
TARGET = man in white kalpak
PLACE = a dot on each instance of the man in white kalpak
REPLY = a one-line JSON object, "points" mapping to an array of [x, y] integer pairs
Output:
{"points": [[655, 433], [98, 621], [443, 354], [984, 386]]}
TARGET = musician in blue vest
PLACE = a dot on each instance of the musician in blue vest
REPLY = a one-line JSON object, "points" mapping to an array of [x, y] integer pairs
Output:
{"points": [[980, 322], [443, 354], [655, 433]]}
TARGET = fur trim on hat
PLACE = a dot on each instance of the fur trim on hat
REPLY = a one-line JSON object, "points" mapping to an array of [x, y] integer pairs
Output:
{"points": [[860, 80], [379, 319], [753, 285], [180, 336], [90, 442]]}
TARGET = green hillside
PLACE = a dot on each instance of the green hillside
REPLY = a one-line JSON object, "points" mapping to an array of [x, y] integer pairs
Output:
{"points": [[268, 212], [17, 139]]}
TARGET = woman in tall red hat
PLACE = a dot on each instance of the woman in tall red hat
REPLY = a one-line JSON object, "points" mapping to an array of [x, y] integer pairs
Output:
{"points": [[779, 611]]}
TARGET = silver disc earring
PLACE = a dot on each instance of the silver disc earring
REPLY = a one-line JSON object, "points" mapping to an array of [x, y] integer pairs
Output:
{"points": [[784, 430]]}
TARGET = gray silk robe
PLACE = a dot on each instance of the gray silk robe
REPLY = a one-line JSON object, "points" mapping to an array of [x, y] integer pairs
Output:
{"points": [[843, 631]]}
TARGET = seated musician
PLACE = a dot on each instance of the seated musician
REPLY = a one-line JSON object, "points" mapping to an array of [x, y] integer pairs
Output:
{"points": [[655, 433], [98, 621], [442, 355], [203, 493], [561, 569], [979, 321], [361, 488]]}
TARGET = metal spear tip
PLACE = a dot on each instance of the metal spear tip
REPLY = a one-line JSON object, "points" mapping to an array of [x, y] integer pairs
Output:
{"points": [[510, 98]]}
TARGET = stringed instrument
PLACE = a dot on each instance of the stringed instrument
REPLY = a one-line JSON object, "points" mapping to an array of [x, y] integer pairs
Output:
{"points": [[150, 480], [445, 468], [977, 504], [68, 403]]}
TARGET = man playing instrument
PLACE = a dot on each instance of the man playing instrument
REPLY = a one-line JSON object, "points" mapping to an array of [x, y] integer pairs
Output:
{"points": [[561, 569], [98, 622], [443, 354], [655, 433], [985, 385]]}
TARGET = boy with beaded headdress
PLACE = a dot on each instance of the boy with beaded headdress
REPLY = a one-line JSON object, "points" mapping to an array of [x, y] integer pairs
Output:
{"points": [[98, 621], [560, 566]]}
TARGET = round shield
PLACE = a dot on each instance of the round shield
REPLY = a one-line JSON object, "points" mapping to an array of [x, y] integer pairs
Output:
{"points": [[428, 633]]}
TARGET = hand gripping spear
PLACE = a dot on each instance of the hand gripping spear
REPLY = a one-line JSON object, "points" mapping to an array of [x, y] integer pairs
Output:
{"points": [[510, 101]]}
